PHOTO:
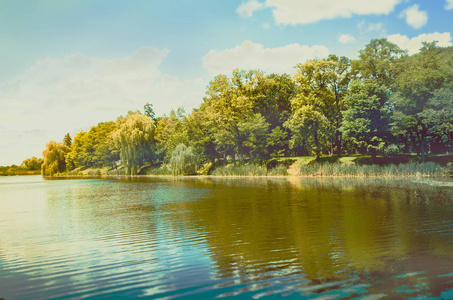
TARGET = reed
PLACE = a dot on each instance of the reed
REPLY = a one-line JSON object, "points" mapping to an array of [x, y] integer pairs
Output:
{"points": [[117, 172], [163, 170], [245, 170], [344, 169]]}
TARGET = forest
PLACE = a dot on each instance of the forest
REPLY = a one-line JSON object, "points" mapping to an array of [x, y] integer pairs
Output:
{"points": [[385, 102]]}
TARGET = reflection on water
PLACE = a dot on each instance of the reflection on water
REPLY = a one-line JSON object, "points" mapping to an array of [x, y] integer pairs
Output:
{"points": [[214, 237]]}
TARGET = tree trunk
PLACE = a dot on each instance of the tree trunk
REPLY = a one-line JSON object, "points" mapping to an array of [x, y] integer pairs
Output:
{"points": [[422, 149], [315, 137], [373, 153], [338, 133]]}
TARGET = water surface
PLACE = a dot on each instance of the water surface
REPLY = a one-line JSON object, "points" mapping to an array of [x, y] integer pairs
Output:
{"points": [[205, 238]]}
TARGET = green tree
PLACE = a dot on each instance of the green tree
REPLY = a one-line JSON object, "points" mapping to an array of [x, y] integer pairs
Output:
{"points": [[67, 141], [252, 135], [376, 62], [277, 142], [438, 116], [367, 115], [149, 111], [417, 81], [134, 137], [183, 160], [313, 107]]}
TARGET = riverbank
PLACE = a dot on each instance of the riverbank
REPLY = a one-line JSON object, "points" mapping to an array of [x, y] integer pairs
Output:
{"points": [[298, 168]]}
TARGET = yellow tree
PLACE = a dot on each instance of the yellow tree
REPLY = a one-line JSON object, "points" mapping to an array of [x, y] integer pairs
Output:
{"points": [[229, 102], [313, 106], [54, 158]]}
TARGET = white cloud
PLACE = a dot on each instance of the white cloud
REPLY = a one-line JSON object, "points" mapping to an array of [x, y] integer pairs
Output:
{"points": [[415, 17], [346, 39], [309, 11], [449, 5], [246, 9], [59, 95], [414, 44], [251, 55]]}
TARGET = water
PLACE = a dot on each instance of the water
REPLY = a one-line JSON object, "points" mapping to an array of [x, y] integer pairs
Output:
{"points": [[204, 238]]}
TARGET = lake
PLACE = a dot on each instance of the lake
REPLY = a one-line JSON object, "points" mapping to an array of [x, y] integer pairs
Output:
{"points": [[205, 238]]}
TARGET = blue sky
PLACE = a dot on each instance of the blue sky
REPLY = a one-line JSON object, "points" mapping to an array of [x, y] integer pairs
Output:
{"points": [[67, 65]]}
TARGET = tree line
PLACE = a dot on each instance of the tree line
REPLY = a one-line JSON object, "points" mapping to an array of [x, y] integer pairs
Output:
{"points": [[384, 102]]}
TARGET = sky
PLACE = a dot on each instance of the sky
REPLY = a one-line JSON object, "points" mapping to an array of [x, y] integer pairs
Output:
{"points": [[68, 65]]}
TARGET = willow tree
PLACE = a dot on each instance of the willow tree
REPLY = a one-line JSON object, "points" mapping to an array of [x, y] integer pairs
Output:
{"points": [[183, 160], [54, 158], [134, 137]]}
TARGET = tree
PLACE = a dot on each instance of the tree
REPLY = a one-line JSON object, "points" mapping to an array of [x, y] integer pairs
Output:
{"points": [[134, 137], [274, 104], [417, 81], [94, 148], [228, 102], [32, 163], [149, 111], [54, 158], [277, 142], [438, 116], [67, 141], [310, 127], [376, 62], [367, 115], [313, 107], [183, 160], [253, 135], [170, 132]]}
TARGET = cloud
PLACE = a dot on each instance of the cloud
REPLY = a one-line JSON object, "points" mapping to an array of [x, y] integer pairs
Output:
{"points": [[308, 11], [346, 39], [251, 55], [414, 17], [449, 5], [246, 9], [59, 95], [414, 44]]}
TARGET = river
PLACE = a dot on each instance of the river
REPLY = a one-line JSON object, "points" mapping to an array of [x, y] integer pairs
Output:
{"points": [[205, 238]]}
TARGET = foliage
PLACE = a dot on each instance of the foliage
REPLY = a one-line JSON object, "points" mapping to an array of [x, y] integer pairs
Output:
{"points": [[416, 97], [385, 102], [67, 141], [183, 161], [32, 163], [134, 137], [54, 158], [367, 115]]}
